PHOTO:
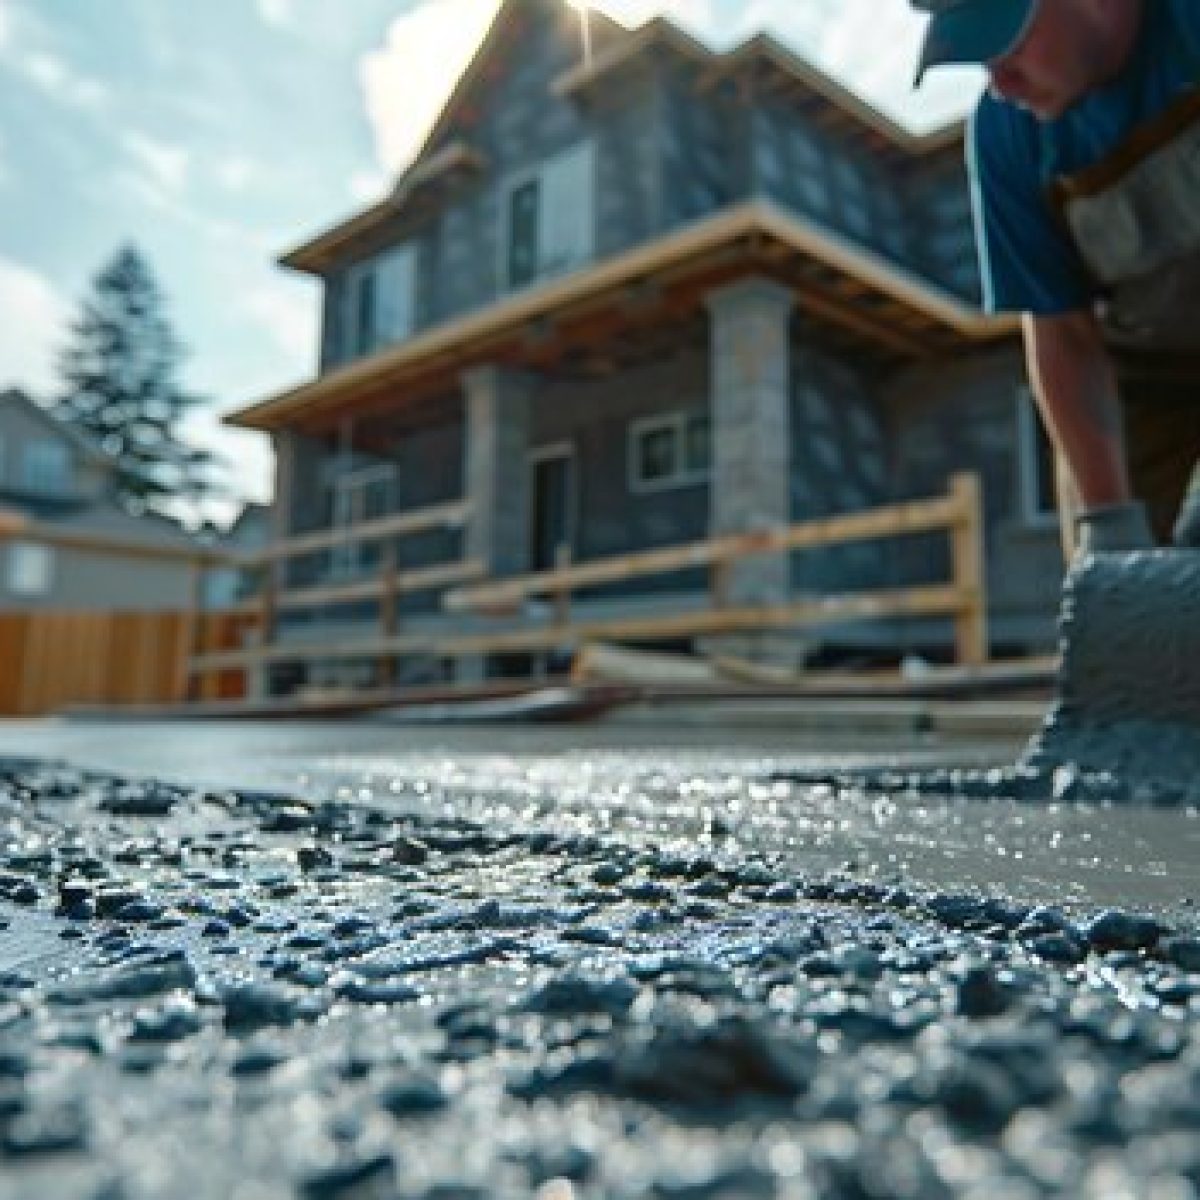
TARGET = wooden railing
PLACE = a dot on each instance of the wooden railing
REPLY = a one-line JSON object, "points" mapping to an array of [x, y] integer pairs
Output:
{"points": [[384, 589], [959, 514]]}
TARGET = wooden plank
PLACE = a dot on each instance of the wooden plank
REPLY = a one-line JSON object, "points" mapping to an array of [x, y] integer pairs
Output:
{"points": [[968, 567], [933, 600], [919, 516], [439, 516]]}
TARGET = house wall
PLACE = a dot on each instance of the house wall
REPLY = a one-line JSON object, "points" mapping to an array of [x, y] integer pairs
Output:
{"points": [[595, 417], [962, 416], [667, 153], [839, 463], [20, 428], [94, 581]]}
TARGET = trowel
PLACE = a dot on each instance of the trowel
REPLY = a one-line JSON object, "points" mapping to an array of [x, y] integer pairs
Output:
{"points": [[1128, 699]]}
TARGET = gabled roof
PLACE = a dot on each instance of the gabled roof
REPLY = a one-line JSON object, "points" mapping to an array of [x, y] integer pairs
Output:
{"points": [[16, 398], [615, 47]]}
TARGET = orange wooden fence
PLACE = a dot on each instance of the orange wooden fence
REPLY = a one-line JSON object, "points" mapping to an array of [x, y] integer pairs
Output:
{"points": [[52, 660]]}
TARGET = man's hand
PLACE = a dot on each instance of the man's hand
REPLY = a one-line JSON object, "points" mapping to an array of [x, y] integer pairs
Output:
{"points": [[1114, 528]]}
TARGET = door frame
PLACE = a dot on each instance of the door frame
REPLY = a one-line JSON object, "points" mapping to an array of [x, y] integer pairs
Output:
{"points": [[533, 459]]}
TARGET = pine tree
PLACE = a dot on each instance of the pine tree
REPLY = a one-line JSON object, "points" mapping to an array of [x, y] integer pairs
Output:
{"points": [[120, 388]]}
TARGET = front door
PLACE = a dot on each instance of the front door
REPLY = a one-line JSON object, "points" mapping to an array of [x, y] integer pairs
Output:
{"points": [[553, 505]]}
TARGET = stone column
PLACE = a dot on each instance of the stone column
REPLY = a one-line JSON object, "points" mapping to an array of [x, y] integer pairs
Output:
{"points": [[751, 427], [496, 469], [496, 476]]}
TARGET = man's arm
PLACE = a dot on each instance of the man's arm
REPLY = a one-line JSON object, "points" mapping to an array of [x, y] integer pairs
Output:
{"points": [[1076, 390]]}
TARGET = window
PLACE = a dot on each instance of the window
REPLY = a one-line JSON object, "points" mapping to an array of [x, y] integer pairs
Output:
{"points": [[30, 569], [1037, 498], [380, 300], [548, 218], [670, 451], [365, 494], [46, 467]]}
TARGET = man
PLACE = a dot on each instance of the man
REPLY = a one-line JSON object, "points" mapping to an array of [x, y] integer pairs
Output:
{"points": [[1085, 167]]}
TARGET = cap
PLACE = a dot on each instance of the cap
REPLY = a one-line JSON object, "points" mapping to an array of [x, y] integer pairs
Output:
{"points": [[972, 31]]}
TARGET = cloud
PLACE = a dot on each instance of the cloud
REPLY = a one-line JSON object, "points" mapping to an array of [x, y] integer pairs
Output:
{"points": [[279, 13], [62, 82], [868, 46], [6, 34], [30, 344], [166, 165], [365, 186], [235, 173], [406, 81]]}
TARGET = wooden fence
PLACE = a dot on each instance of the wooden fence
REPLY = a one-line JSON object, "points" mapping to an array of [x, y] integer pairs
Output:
{"points": [[51, 659], [962, 598]]}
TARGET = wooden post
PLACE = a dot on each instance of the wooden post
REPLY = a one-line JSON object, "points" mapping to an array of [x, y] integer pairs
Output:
{"points": [[267, 615], [967, 567], [389, 617], [718, 582], [185, 687], [562, 595]]}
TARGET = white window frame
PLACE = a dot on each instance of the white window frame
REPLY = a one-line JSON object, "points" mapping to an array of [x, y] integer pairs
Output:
{"points": [[677, 423], [539, 172], [346, 558], [29, 569], [377, 337], [34, 473], [1029, 464]]}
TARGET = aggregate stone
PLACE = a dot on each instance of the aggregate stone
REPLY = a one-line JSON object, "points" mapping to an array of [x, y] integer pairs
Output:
{"points": [[369, 1178], [140, 800], [982, 994], [1184, 952], [130, 983], [414, 1096], [570, 995], [260, 1059], [173, 1022], [252, 1006], [50, 1130], [1114, 930]]}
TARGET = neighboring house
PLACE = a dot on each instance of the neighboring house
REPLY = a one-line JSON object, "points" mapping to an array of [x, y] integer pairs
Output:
{"points": [[631, 301], [250, 531], [56, 479]]}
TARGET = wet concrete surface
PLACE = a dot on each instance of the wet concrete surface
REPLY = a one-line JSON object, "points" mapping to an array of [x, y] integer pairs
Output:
{"points": [[671, 787], [442, 973]]}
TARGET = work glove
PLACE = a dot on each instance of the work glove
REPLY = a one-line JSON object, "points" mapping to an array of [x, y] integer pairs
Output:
{"points": [[1114, 528]]}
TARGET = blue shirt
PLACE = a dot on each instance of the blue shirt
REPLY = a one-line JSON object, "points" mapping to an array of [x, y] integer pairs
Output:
{"points": [[1027, 258]]}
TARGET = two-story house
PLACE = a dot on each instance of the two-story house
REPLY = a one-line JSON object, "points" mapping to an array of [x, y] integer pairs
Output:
{"points": [[652, 294], [56, 480]]}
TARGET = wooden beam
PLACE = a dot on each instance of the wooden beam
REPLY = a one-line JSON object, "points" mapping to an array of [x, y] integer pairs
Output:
{"points": [[918, 516], [934, 600], [452, 515]]}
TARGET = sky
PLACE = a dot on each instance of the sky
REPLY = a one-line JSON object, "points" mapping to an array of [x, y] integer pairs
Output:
{"points": [[218, 135]]}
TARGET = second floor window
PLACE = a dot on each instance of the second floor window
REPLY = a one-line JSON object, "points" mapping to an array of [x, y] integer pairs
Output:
{"points": [[380, 300], [46, 468], [548, 214]]}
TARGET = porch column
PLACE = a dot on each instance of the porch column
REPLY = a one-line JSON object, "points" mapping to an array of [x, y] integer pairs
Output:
{"points": [[751, 428], [496, 470], [495, 479]]}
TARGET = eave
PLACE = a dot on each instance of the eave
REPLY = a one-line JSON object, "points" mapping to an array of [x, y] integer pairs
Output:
{"points": [[429, 176], [834, 278]]}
